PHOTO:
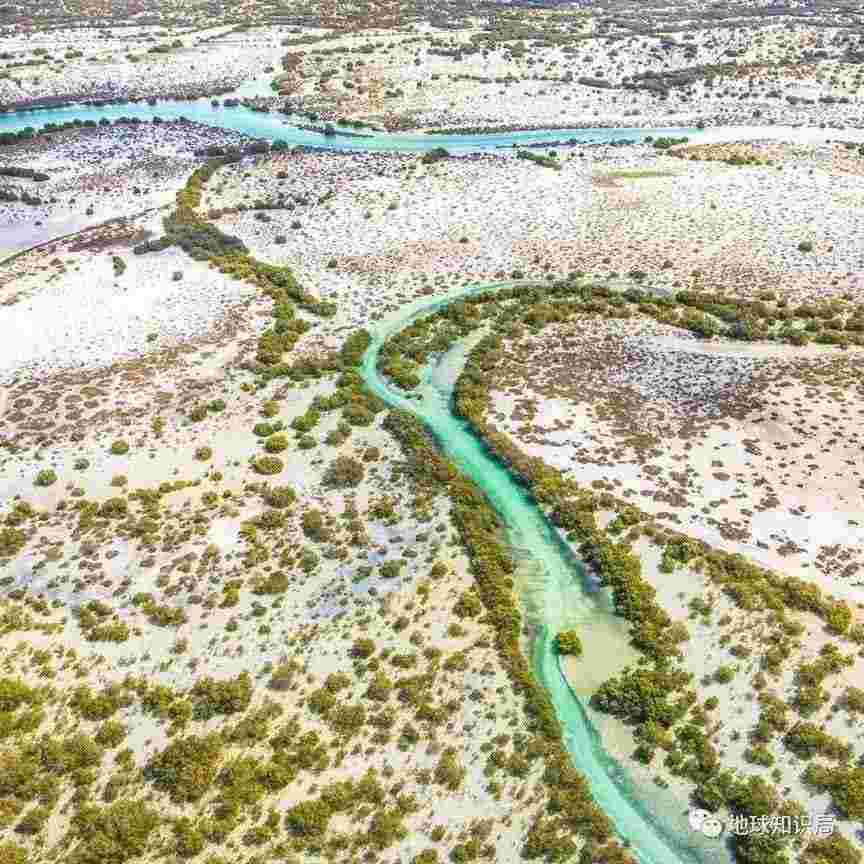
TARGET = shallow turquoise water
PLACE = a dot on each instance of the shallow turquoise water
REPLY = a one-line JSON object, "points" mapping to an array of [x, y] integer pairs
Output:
{"points": [[275, 126], [555, 594]]}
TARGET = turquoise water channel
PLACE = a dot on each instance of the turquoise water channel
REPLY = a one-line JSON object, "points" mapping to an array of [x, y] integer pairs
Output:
{"points": [[276, 126], [555, 593]]}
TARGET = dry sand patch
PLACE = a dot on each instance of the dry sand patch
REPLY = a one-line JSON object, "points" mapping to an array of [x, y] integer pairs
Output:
{"points": [[754, 449]]}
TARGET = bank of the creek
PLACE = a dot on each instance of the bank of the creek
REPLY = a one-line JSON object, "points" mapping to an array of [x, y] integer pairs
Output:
{"points": [[555, 594], [277, 126]]}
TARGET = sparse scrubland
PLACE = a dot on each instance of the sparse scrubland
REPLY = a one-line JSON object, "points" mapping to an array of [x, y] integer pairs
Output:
{"points": [[248, 610]]}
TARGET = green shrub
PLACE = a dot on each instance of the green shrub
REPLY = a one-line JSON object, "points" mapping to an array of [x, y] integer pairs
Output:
{"points": [[724, 674], [272, 583], [308, 819], [110, 734], [759, 755], [46, 477], [186, 768], [448, 772], [468, 605], [163, 615], [380, 687], [806, 740], [109, 631], [853, 700], [279, 496], [15, 694], [539, 159], [568, 642], [321, 701], [268, 465], [390, 569], [214, 697], [120, 447], [358, 415], [306, 422], [363, 648], [436, 154], [114, 508], [312, 522], [457, 662], [845, 784], [202, 454], [344, 471], [188, 840], [838, 617], [198, 413], [352, 351], [276, 443], [101, 705], [308, 560], [642, 695], [12, 541], [269, 520], [114, 834], [833, 849], [61, 756], [347, 720]]}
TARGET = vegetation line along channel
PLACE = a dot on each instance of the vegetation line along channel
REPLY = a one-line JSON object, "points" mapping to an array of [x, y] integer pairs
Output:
{"points": [[557, 588], [18, 126]]}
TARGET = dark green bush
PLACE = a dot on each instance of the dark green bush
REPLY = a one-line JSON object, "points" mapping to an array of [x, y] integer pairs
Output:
{"points": [[568, 642], [114, 834], [187, 767]]}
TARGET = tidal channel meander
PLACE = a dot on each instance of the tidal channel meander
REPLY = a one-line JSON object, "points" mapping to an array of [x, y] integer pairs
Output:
{"points": [[554, 589], [556, 593], [274, 125]]}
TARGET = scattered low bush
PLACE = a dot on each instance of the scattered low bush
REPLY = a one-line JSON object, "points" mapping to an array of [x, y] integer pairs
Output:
{"points": [[46, 477], [568, 642], [268, 465], [344, 471]]}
